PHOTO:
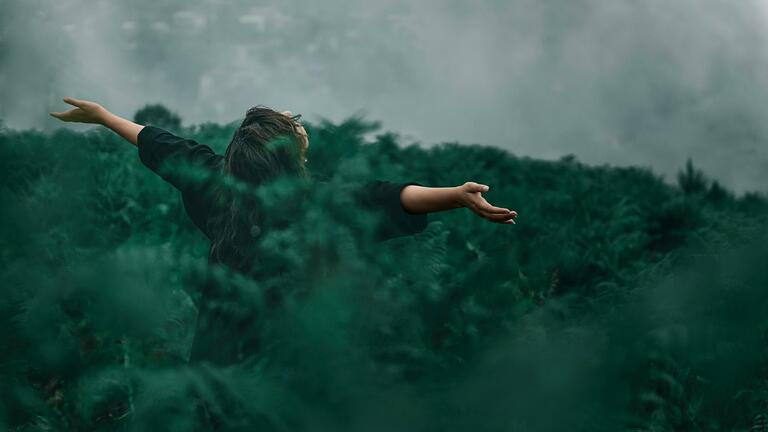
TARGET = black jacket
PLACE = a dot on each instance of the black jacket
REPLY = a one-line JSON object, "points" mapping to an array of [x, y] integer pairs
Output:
{"points": [[159, 149]]}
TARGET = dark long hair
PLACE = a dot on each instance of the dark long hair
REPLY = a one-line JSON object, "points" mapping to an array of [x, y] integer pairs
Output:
{"points": [[266, 146]]}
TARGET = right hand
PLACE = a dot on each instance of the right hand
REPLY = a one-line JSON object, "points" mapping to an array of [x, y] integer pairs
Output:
{"points": [[471, 198], [85, 112]]}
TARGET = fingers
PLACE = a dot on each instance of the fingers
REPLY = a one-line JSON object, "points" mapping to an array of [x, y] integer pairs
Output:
{"points": [[488, 208], [504, 219], [82, 104], [59, 115], [498, 215], [76, 102], [62, 115], [483, 205], [493, 213], [484, 209], [501, 218], [476, 187]]}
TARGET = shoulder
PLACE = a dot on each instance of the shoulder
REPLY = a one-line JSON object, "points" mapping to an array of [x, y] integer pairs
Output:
{"points": [[149, 132], [157, 145], [383, 191]]}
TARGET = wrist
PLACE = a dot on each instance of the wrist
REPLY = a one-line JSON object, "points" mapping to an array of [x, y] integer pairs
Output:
{"points": [[103, 116], [457, 197]]}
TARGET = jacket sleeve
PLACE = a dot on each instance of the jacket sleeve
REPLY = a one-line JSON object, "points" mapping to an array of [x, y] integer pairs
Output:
{"points": [[163, 153], [385, 196]]}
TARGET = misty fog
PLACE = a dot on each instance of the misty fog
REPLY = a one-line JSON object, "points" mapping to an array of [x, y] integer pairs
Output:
{"points": [[647, 83]]}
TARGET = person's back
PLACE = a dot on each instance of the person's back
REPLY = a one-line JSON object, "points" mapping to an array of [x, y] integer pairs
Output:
{"points": [[234, 226], [268, 144], [226, 335]]}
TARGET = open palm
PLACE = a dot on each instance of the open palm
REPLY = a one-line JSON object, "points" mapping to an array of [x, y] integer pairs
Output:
{"points": [[85, 112], [472, 198]]}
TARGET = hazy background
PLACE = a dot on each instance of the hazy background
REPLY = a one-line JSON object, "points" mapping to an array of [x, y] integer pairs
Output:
{"points": [[625, 82]]}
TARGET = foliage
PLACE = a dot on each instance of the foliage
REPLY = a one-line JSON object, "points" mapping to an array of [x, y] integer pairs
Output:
{"points": [[618, 302], [158, 115]]}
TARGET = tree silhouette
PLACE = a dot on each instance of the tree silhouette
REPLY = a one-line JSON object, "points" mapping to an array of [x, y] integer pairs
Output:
{"points": [[691, 180], [158, 115]]}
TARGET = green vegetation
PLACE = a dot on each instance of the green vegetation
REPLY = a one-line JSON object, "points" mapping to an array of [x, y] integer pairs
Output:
{"points": [[617, 302]]}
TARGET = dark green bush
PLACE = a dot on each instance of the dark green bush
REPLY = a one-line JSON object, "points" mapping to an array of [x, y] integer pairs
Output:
{"points": [[618, 302]]}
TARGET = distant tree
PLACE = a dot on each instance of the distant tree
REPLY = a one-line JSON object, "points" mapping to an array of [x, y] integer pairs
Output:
{"points": [[753, 203], [691, 180], [718, 194], [158, 115]]}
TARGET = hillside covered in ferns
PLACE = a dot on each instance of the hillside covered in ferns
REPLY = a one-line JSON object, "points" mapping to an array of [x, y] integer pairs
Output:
{"points": [[619, 300]]}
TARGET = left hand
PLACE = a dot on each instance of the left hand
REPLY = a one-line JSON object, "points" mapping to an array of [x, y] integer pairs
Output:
{"points": [[85, 112], [470, 196]]}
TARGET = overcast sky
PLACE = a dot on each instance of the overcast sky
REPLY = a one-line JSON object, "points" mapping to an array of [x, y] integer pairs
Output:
{"points": [[641, 82]]}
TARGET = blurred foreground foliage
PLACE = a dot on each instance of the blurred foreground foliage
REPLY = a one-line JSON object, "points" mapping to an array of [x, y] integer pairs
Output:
{"points": [[618, 301]]}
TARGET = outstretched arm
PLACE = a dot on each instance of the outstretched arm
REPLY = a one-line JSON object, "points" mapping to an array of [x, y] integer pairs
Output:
{"points": [[160, 150], [91, 112], [421, 199]]}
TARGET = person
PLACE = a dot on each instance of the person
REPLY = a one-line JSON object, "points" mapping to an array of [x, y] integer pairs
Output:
{"points": [[229, 224], [249, 158]]}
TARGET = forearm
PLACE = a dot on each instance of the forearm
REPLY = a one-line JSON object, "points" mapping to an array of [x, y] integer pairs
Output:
{"points": [[125, 128], [421, 199]]}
